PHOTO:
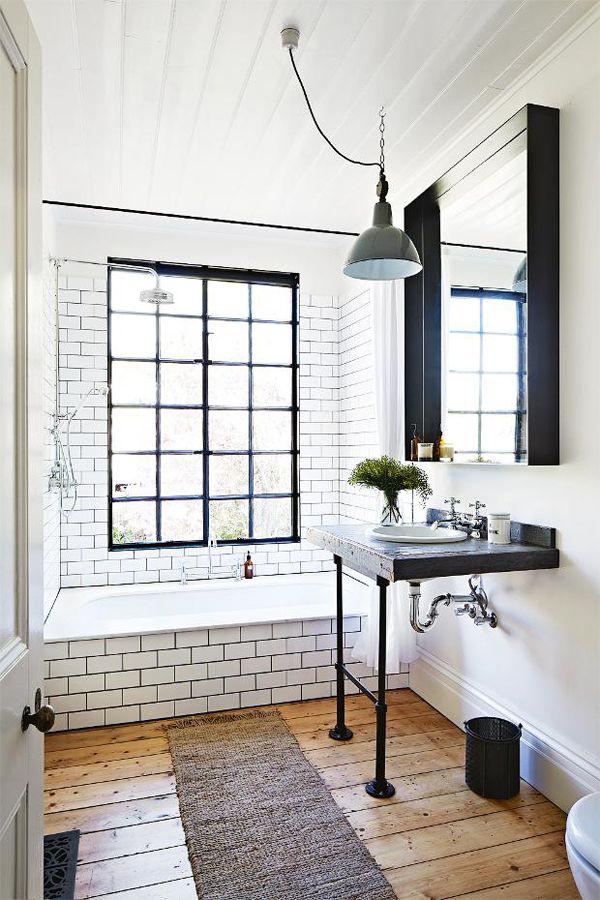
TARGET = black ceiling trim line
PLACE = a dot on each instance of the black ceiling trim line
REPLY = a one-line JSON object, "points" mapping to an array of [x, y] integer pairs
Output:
{"points": [[189, 217]]}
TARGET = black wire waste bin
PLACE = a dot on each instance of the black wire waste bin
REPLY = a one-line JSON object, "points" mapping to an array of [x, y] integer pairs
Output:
{"points": [[492, 759]]}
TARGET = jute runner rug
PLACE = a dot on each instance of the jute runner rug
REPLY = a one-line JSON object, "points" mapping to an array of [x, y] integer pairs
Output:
{"points": [[259, 822]]}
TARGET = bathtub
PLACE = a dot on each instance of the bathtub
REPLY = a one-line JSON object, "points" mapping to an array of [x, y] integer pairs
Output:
{"points": [[83, 613], [118, 654]]}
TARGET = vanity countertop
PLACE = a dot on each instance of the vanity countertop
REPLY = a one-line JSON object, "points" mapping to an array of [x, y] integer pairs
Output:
{"points": [[533, 547]]}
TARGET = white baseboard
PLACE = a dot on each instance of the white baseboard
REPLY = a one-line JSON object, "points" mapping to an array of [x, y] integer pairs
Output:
{"points": [[558, 772]]}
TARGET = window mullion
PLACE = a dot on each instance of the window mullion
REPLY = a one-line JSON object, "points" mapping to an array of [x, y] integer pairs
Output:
{"points": [[250, 421], [205, 423], [158, 442]]}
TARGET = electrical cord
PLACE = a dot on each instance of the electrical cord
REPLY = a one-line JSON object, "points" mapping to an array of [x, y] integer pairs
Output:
{"points": [[356, 162]]}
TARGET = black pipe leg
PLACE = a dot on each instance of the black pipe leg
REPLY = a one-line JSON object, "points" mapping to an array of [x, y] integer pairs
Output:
{"points": [[340, 732], [380, 787]]}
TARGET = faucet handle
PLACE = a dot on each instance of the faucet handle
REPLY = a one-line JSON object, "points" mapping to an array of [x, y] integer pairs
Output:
{"points": [[477, 506], [453, 501]]}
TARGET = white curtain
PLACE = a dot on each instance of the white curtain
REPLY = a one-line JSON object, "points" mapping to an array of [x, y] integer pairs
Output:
{"points": [[387, 298]]}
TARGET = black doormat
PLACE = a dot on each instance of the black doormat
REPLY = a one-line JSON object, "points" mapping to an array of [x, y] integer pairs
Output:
{"points": [[60, 863]]}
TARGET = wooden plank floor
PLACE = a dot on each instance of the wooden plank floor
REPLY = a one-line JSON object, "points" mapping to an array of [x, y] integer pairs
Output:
{"points": [[434, 839]]}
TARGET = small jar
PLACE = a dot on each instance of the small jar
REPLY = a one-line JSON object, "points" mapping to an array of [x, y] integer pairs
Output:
{"points": [[425, 451], [447, 453], [498, 528]]}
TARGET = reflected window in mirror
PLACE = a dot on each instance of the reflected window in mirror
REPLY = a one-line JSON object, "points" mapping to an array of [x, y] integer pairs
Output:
{"points": [[484, 393]]}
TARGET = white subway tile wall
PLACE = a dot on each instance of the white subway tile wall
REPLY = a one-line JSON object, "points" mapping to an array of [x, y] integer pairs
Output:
{"points": [[51, 500], [85, 558], [107, 681], [358, 426]]}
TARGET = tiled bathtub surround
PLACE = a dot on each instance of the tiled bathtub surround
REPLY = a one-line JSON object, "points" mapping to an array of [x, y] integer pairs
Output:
{"points": [[106, 681], [85, 558]]}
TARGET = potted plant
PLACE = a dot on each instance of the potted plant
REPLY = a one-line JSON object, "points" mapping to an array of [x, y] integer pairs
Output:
{"points": [[389, 476]]}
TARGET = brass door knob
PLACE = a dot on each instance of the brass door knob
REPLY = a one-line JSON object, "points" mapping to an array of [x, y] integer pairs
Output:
{"points": [[42, 717]]}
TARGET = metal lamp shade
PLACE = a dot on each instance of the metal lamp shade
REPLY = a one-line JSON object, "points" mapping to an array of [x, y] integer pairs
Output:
{"points": [[382, 252]]}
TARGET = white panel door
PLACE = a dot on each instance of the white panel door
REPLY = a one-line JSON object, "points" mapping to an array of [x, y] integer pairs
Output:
{"points": [[21, 830]]}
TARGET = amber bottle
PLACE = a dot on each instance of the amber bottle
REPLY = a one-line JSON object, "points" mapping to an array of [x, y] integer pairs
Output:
{"points": [[414, 445], [248, 567]]}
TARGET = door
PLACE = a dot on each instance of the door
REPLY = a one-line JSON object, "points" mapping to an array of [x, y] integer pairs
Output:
{"points": [[21, 440]]}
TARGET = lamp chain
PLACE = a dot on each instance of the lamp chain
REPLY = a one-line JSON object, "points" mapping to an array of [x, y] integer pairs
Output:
{"points": [[382, 141]]}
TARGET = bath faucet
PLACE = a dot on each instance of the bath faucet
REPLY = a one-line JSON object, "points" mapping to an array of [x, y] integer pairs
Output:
{"points": [[184, 577]]}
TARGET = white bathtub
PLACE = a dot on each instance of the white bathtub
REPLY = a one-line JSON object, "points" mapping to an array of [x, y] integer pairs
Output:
{"points": [[82, 613]]}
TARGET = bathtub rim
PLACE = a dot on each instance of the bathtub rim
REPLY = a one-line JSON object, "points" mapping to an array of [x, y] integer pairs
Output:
{"points": [[81, 595]]}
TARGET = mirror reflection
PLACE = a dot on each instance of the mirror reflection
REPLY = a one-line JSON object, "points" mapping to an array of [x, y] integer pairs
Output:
{"points": [[484, 318]]}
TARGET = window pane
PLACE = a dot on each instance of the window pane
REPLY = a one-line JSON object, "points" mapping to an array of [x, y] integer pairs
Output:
{"points": [[133, 429], [500, 353], [187, 296], [228, 341], [461, 430], [181, 384], [181, 429], [499, 392], [272, 430], [228, 475], [463, 352], [271, 343], [180, 338], [463, 314], [229, 519], [133, 336], [228, 430], [180, 475], [272, 387], [272, 518], [500, 315], [181, 520], [271, 302], [133, 382], [228, 386], [462, 391], [272, 474], [134, 476], [498, 433], [228, 299], [125, 289], [133, 523]]}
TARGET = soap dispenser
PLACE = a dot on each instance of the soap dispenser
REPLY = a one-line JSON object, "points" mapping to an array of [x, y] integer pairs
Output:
{"points": [[248, 567]]}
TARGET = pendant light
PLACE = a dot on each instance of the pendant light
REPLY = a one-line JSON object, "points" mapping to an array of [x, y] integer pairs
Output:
{"points": [[382, 252]]}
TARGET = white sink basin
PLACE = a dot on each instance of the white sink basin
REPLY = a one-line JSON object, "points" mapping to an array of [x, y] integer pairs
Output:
{"points": [[416, 534]]}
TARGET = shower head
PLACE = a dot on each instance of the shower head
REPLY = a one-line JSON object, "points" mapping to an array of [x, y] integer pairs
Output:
{"points": [[156, 294]]}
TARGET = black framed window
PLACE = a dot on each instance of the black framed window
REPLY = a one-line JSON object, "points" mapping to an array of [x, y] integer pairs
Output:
{"points": [[203, 407], [486, 374]]}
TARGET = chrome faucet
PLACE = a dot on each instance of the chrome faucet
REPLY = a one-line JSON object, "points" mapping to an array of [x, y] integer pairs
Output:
{"points": [[450, 518], [472, 523]]}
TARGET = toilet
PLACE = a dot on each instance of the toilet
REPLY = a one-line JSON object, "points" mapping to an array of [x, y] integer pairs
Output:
{"points": [[583, 845]]}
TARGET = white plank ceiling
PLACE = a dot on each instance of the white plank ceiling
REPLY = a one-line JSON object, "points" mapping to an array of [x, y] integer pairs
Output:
{"points": [[191, 105]]}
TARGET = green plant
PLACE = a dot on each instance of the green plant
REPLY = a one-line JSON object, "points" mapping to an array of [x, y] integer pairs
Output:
{"points": [[127, 534], [389, 476]]}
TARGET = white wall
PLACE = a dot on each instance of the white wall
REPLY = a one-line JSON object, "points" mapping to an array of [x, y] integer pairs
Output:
{"points": [[541, 666], [85, 558]]}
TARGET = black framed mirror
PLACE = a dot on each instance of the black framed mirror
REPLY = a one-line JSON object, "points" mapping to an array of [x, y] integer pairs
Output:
{"points": [[482, 318]]}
